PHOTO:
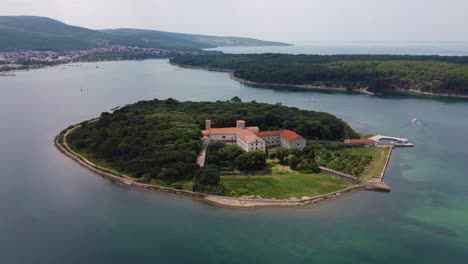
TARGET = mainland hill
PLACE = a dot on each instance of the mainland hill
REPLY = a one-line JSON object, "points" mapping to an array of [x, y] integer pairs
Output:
{"points": [[438, 75], [42, 33]]}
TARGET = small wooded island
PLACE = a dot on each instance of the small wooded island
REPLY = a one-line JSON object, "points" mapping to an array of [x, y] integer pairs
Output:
{"points": [[435, 75], [227, 152]]}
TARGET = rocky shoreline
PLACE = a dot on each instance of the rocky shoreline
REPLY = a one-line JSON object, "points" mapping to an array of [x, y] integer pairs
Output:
{"points": [[225, 201]]}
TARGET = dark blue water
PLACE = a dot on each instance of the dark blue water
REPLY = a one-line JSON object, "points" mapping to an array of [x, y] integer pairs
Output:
{"points": [[54, 211]]}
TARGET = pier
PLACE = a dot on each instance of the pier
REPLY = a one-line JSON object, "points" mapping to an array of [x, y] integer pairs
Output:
{"points": [[395, 141]]}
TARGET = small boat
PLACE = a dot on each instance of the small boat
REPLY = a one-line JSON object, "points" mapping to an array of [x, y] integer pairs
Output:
{"points": [[311, 100], [402, 144]]}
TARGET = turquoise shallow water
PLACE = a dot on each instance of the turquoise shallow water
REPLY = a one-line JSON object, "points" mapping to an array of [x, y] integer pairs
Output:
{"points": [[54, 211]]}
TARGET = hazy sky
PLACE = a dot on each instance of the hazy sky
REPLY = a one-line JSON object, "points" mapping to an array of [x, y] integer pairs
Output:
{"points": [[298, 21]]}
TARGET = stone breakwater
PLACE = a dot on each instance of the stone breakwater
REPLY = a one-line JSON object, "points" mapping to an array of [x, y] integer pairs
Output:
{"points": [[244, 202]]}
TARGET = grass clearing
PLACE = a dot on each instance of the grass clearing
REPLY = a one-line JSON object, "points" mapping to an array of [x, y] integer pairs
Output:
{"points": [[282, 183], [379, 158], [378, 163]]}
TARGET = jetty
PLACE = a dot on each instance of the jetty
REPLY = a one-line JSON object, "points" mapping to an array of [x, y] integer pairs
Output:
{"points": [[395, 141]]}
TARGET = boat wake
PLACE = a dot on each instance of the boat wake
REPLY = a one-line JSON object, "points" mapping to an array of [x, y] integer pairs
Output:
{"points": [[415, 122]]}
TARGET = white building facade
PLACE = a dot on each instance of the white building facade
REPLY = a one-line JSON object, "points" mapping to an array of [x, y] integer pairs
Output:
{"points": [[251, 139]]}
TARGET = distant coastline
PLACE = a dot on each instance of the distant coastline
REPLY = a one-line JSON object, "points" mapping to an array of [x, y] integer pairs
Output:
{"points": [[362, 90]]}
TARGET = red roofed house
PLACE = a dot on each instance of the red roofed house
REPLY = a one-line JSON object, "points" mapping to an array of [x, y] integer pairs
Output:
{"points": [[365, 142], [250, 139], [285, 138]]}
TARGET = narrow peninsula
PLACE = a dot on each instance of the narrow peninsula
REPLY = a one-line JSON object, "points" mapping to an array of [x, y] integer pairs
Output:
{"points": [[432, 75]]}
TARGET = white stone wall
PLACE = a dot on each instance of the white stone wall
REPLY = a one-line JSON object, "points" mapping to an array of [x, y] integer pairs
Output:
{"points": [[224, 137], [252, 146], [298, 143], [284, 143], [257, 145], [241, 143], [272, 140]]}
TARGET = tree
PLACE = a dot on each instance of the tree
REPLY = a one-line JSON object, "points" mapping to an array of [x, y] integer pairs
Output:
{"points": [[236, 99], [208, 176], [273, 155], [230, 152], [110, 147], [313, 167], [254, 160], [293, 162], [282, 153]]}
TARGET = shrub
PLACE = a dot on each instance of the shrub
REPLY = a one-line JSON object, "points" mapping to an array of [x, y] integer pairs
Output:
{"points": [[254, 160], [208, 176], [293, 162]]}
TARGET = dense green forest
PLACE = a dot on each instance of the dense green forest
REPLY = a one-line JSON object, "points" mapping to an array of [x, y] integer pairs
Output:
{"points": [[42, 33], [161, 138], [438, 74]]}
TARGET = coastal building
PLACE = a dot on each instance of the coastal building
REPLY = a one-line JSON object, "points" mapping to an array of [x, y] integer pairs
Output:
{"points": [[248, 141], [365, 142], [251, 139], [284, 138]]}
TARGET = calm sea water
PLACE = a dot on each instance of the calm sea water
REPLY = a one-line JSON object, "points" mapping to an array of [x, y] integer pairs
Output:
{"points": [[399, 48], [54, 211]]}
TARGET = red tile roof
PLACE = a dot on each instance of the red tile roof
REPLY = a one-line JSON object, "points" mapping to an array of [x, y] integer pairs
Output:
{"points": [[290, 135], [286, 134], [227, 130], [269, 133], [224, 131], [248, 136]]}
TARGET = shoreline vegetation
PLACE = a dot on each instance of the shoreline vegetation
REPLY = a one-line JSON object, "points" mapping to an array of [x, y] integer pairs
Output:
{"points": [[217, 200], [243, 190], [363, 90], [367, 74]]}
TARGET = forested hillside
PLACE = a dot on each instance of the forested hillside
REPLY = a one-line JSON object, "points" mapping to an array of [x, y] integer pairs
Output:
{"points": [[41, 33], [161, 138], [437, 74]]}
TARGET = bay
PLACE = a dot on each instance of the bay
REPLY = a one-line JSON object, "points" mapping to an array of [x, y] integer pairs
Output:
{"points": [[55, 211]]}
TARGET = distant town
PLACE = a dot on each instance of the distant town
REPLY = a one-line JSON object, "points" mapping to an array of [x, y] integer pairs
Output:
{"points": [[28, 59]]}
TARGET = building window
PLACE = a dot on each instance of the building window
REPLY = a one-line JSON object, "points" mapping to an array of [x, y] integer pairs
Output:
{"points": [[223, 137]]}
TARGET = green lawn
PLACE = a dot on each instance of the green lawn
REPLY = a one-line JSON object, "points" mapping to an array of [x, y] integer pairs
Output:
{"points": [[282, 183], [378, 162]]}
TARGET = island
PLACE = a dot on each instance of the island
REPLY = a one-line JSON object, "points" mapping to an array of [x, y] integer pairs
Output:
{"points": [[230, 153], [433, 75]]}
